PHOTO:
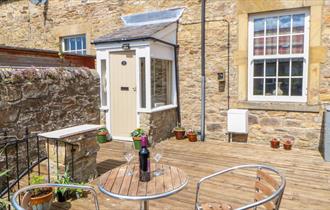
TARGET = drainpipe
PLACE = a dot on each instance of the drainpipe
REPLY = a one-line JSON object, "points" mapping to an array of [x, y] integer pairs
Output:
{"points": [[203, 71], [176, 49]]}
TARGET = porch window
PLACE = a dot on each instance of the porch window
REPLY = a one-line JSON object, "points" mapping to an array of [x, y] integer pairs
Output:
{"points": [[74, 44], [143, 82], [103, 83], [278, 56], [161, 82]]}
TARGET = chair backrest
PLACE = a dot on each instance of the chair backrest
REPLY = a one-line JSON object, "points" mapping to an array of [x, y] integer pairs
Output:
{"points": [[17, 206], [265, 186], [268, 191]]}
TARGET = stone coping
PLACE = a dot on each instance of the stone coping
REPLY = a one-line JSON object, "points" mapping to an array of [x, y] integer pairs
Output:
{"points": [[71, 131]]}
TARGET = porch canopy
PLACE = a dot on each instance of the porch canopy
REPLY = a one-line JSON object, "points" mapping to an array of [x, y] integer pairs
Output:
{"points": [[136, 64]]}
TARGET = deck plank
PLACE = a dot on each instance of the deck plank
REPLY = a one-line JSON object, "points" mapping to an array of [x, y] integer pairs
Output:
{"points": [[307, 174]]}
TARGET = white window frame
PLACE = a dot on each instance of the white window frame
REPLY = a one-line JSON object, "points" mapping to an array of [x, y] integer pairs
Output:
{"points": [[252, 57], [83, 50]]}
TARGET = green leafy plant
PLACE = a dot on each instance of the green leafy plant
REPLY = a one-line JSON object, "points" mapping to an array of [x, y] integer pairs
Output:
{"points": [[178, 128], [39, 180], [137, 132], [102, 132], [67, 179]]}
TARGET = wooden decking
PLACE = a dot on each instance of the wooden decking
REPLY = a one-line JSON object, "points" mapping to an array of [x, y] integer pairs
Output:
{"points": [[308, 176]]}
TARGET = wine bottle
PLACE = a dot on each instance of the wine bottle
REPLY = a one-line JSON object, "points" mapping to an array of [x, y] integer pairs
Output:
{"points": [[144, 158]]}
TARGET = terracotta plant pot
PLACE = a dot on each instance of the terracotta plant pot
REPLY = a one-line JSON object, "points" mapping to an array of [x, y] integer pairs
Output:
{"points": [[43, 201], [287, 145], [179, 134], [137, 142], [192, 137], [274, 143]]}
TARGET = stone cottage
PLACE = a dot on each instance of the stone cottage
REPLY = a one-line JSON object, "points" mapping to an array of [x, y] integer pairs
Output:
{"points": [[274, 63]]}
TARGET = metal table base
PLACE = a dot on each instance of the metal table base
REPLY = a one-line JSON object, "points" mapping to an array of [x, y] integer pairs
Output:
{"points": [[144, 205]]}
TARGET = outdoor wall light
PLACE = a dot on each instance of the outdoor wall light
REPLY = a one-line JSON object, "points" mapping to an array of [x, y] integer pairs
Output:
{"points": [[125, 46]]}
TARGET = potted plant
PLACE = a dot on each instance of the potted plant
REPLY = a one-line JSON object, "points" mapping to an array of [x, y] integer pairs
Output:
{"points": [[287, 144], [275, 143], [136, 136], [62, 192], [40, 198], [179, 132], [102, 135], [192, 135]]}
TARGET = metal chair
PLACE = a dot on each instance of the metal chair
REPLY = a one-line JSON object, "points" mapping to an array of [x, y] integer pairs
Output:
{"points": [[268, 192], [30, 187]]}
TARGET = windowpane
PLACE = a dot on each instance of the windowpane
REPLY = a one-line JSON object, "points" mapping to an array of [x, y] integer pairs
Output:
{"points": [[258, 86], [277, 71], [284, 45], [285, 24], [271, 68], [296, 87], [79, 43], [84, 42], [271, 45], [270, 87], [298, 44], [161, 82], [143, 82], [75, 44], [66, 44], [103, 83], [72, 44], [297, 67], [271, 26], [259, 27], [258, 46], [283, 67], [259, 68], [283, 87], [298, 23]]}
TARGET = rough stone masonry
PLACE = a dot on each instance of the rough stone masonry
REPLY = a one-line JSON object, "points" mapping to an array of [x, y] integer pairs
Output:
{"points": [[42, 26]]}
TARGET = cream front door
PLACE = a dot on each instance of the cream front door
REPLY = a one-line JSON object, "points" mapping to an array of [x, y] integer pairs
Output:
{"points": [[123, 94]]}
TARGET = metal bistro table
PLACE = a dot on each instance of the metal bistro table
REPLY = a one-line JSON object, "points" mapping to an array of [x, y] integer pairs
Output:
{"points": [[116, 183]]}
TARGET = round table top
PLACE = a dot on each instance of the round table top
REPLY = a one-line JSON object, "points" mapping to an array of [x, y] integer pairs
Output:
{"points": [[116, 183]]}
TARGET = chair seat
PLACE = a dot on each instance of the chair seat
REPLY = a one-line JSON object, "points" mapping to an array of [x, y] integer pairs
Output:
{"points": [[215, 206]]}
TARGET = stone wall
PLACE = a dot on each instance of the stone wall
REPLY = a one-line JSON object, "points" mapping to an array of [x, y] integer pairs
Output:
{"points": [[47, 98], [28, 25], [44, 99], [163, 123]]}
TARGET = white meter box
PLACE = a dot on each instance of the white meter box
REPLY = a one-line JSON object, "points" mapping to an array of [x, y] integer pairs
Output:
{"points": [[237, 121]]}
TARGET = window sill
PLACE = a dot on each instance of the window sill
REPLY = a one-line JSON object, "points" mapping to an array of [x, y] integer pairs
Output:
{"points": [[158, 109], [277, 106]]}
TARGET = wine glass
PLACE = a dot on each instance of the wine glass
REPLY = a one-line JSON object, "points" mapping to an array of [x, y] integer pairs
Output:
{"points": [[129, 153], [157, 153]]}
